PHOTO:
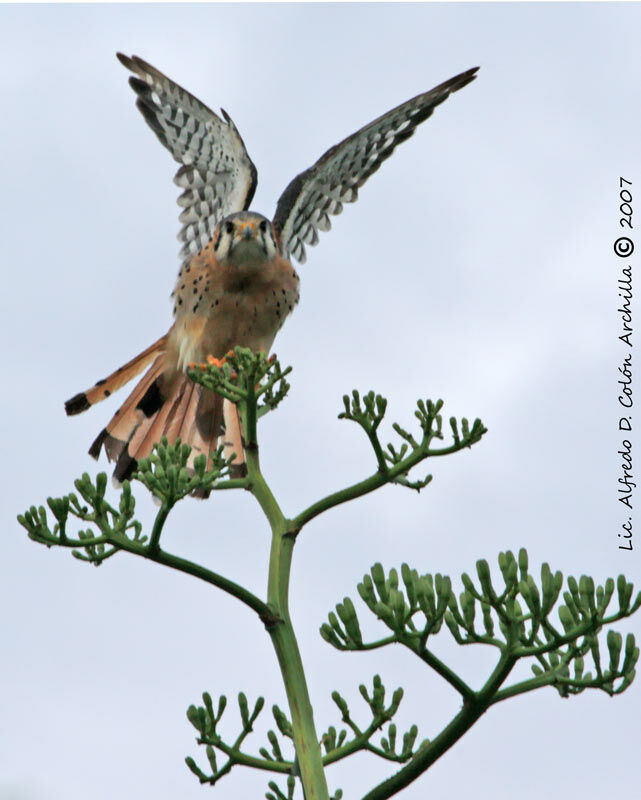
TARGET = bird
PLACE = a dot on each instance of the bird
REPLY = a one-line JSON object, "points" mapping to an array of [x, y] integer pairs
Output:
{"points": [[236, 284]]}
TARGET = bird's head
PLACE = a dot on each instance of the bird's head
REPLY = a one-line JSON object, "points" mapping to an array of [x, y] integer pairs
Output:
{"points": [[245, 239]]}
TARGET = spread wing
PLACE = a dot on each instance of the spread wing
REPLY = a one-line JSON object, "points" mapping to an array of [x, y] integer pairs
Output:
{"points": [[217, 174], [304, 207]]}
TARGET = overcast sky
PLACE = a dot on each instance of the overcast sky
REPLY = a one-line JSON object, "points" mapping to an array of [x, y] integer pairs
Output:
{"points": [[477, 266]]}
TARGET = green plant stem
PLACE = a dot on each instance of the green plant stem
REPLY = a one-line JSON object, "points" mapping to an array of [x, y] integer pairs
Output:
{"points": [[472, 710], [191, 568], [438, 666], [236, 756], [370, 484], [159, 522], [280, 629]]}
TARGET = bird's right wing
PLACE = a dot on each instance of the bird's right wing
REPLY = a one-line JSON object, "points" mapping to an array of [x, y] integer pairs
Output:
{"points": [[217, 174]]}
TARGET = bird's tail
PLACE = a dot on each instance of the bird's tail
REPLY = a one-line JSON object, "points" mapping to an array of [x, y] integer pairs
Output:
{"points": [[157, 407]]}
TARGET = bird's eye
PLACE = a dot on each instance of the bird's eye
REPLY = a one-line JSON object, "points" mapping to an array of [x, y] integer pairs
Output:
{"points": [[229, 227], [263, 226]]}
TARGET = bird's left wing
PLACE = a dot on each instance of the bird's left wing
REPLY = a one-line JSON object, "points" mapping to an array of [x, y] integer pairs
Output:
{"points": [[217, 174], [304, 207]]}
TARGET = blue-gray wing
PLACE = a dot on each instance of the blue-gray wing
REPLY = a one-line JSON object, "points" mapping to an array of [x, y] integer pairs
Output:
{"points": [[216, 173], [304, 207]]}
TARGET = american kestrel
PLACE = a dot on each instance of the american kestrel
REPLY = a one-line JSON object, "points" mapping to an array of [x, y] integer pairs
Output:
{"points": [[236, 284]]}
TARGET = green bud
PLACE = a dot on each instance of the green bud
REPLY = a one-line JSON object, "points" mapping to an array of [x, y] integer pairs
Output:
{"points": [[586, 593], [397, 603], [523, 563], [278, 795], [443, 586], [273, 740], [530, 593], [551, 587], [392, 581], [615, 643], [631, 654], [426, 597], [284, 725], [468, 583], [378, 694], [572, 606], [384, 613], [194, 718], [211, 757], [509, 569], [378, 576], [605, 595], [391, 733], [453, 626], [488, 622], [329, 740], [624, 590], [333, 621], [196, 769], [408, 741], [244, 709], [347, 613], [410, 579], [101, 484], [330, 636], [627, 680], [397, 696], [340, 702], [208, 705], [257, 709], [579, 665], [363, 690], [468, 608], [485, 579]]}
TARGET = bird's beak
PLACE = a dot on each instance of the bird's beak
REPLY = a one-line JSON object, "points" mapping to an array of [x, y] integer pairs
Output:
{"points": [[248, 233]]}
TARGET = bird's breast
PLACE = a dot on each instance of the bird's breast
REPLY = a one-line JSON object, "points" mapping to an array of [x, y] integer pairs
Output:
{"points": [[219, 306]]}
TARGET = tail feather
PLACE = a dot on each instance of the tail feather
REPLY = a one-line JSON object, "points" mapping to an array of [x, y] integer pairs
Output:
{"points": [[233, 438], [175, 425], [107, 386], [152, 430], [120, 426], [162, 405]]}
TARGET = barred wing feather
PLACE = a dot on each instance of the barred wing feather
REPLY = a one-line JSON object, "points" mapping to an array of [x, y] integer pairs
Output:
{"points": [[216, 173], [304, 207]]}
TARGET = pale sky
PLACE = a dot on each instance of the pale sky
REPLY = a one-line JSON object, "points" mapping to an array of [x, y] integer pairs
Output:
{"points": [[477, 266]]}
